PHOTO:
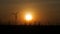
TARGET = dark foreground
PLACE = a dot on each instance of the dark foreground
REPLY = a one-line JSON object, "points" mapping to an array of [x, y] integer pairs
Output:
{"points": [[28, 28], [21, 28]]}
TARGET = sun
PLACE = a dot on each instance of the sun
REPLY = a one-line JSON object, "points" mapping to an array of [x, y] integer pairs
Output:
{"points": [[28, 17]]}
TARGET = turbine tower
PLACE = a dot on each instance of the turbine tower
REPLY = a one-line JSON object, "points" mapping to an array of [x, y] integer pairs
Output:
{"points": [[15, 15]]}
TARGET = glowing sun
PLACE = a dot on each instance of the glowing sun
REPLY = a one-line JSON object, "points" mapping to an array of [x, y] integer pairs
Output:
{"points": [[28, 17]]}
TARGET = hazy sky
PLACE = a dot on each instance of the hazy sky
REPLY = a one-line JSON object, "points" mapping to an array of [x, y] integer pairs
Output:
{"points": [[51, 8]]}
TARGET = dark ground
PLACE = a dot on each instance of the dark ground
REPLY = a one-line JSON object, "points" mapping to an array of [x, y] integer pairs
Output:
{"points": [[29, 28], [25, 28]]}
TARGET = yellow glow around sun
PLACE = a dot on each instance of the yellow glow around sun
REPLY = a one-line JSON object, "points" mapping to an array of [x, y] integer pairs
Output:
{"points": [[28, 17]]}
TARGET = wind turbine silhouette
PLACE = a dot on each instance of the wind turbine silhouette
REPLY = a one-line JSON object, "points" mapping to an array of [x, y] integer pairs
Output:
{"points": [[16, 16]]}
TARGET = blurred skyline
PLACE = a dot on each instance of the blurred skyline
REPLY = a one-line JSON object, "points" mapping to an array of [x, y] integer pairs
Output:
{"points": [[49, 9]]}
